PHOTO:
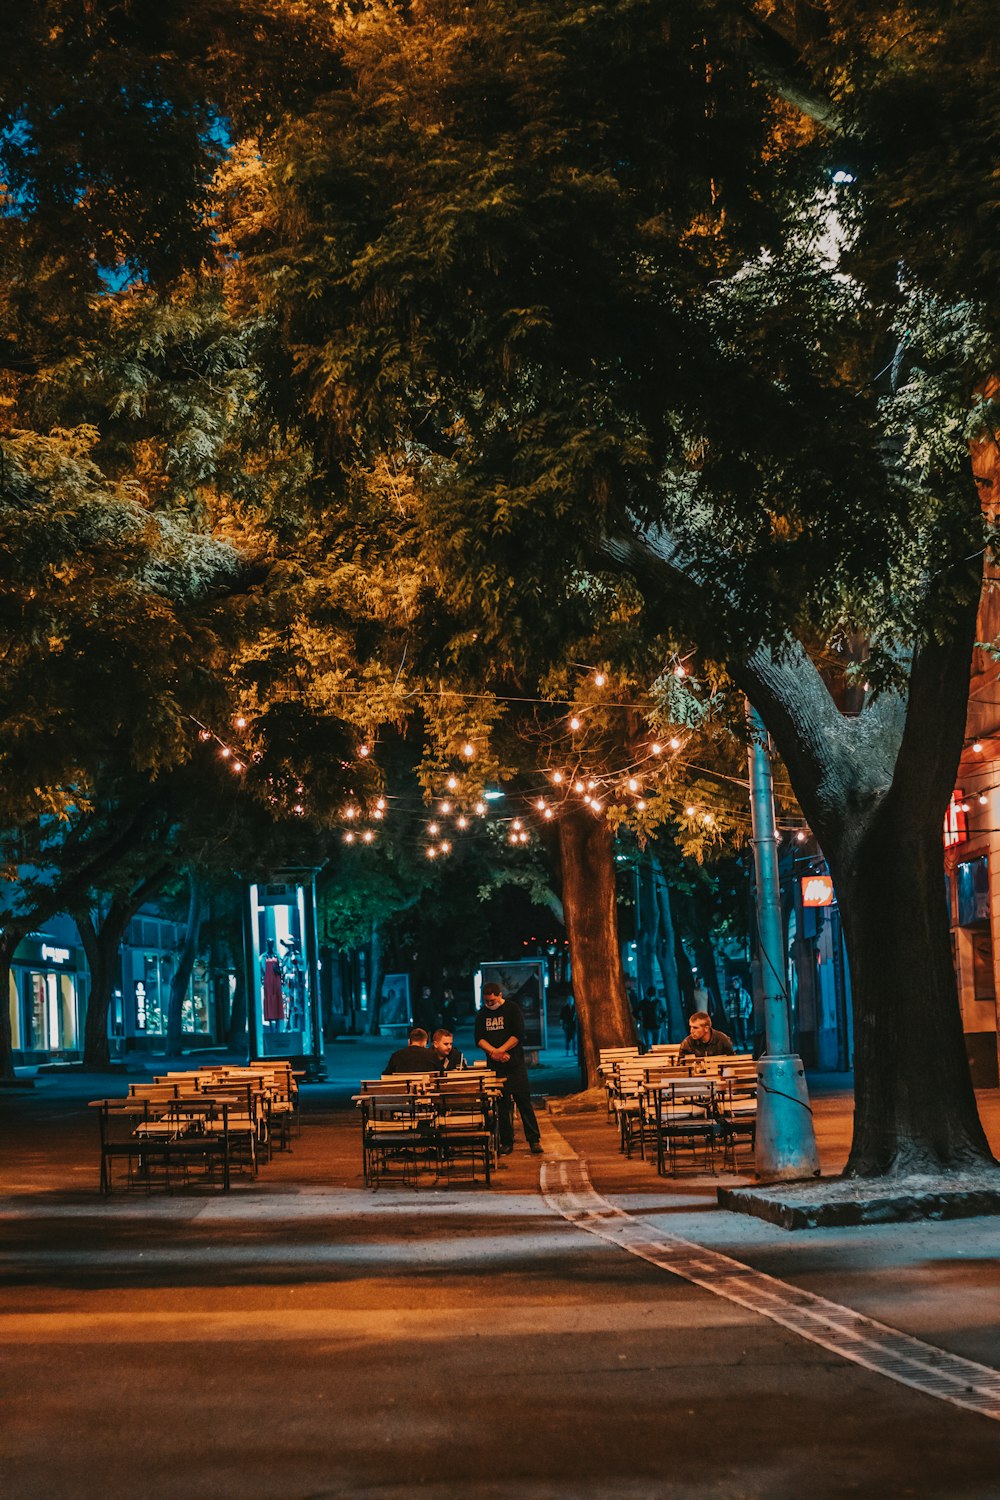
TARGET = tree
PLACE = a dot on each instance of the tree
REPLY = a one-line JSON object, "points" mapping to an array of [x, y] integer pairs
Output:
{"points": [[566, 330]]}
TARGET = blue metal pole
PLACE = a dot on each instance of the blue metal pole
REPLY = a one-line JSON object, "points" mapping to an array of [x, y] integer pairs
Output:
{"points": [[786, 1140]]}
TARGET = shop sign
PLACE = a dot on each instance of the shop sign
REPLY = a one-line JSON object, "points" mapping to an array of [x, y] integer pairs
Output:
{"points": [[140, 1005], [817, 890], [55, 955]]}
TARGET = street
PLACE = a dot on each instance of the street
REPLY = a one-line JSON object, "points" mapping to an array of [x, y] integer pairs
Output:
{"points": [[306, 1337]]}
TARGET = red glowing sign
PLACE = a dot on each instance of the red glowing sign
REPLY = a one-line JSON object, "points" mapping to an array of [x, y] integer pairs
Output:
{"points": [[817, 890], [956, 823]]}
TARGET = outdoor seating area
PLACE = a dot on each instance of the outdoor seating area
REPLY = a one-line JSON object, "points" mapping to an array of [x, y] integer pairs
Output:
{"points": [[198, 1127], [682, 1110], [428, 1124]]}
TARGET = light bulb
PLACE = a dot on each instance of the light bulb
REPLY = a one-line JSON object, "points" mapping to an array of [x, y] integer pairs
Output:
{"points": [[377, 813], [689, 812], [452, 783], [468, 751], [548, 812], [380, 804], [431, 852], [463, 822], [480, 807], [432, 828], [978, 747], [348, 838], [363, 750], [640, 806], [557, 777], [578, 786], [574, 722], [368, 835], [350, 812], [679, 671], [599, 679], [540, 804], [225, 752], [445, 808], [516, 825], [240, 722], [238, 765], [656, 748], [204, 734], [445, 847], [675, 743], [633, 785]]}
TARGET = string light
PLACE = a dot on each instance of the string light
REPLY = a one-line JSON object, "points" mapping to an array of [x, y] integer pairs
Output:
{"points": [[363, 750], [431, 851], [433, 829], [978, 747], [540, 804], [468, 751], [368, 835], [445, 808], [348, 838], [463, 822], [599, 679], [350, 812], [680, 671], [675, 743], [380, 804], [689, 812], [225, 752], [574, 722], [378, 813], [516, 825], [557, 777], [633, 785], [238, 766], [549, 813], [656, 748], [204, 734], [640, 806], [452, 783], [480, 808], [578, 786], [240, 722], [445, 847]]}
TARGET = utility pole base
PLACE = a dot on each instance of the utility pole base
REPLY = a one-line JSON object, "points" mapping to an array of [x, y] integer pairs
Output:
{"points": [[786, 1140]]}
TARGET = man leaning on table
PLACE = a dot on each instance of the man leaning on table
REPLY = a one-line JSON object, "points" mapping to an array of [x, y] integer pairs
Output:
{"points": [[703, 1040], [446, 1056], [500, 1034]]}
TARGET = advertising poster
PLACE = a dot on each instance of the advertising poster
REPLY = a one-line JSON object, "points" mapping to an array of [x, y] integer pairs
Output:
{"points": [[524, 981], [395, 1010]]}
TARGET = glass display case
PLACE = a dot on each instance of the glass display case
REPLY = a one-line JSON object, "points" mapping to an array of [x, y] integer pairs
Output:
{"points": [[281, 959]]}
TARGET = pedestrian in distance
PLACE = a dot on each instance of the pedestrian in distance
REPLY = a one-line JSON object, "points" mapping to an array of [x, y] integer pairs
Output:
{"points": [[500, 1034], [415, 1057], [649, 1018], [568, 1022]]}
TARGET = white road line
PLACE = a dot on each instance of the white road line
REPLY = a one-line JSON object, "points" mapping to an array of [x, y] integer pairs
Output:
{"points": [[567, 1188]]}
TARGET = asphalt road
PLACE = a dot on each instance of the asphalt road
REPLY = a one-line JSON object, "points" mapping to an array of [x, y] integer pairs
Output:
{"points": [[303, 1337]]}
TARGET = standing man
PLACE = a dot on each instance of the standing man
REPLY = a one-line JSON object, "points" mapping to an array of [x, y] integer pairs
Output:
{"points": [[500, 1034], [446, 1056]]}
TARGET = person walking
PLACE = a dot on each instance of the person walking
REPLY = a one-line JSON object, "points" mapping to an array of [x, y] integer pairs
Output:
{"points": [[500, 1034], [567, 1019]]}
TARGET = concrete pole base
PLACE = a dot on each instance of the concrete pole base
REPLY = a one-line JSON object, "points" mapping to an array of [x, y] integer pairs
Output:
{"points": [[786, 1140]]}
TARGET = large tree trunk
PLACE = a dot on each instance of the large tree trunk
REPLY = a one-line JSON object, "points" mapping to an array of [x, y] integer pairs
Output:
{"points": [[586, 852], [915, 1108], [185, 963], [101, 943], [874, 788], [376, 971], [10, 936]]}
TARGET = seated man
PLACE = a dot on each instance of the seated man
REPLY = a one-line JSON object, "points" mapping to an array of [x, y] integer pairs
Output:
{"points": [[703, 1040], [446, 1057], [415, 1057]]}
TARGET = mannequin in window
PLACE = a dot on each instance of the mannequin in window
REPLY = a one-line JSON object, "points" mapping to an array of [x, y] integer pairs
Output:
{"points": [[274, 998]]}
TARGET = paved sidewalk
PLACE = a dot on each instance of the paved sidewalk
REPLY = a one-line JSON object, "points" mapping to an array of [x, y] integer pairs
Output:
{"points": [[304, 1337]]}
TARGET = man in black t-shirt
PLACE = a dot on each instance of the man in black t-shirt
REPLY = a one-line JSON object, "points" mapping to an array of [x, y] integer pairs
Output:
{"points": [[414, 1058], [500, 1034]]}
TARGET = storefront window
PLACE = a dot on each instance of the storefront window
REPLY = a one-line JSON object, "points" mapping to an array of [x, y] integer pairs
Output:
{"points": [[194, 1011], [277, 932]]}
